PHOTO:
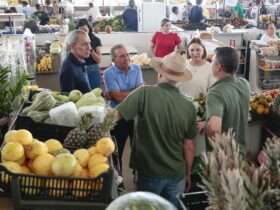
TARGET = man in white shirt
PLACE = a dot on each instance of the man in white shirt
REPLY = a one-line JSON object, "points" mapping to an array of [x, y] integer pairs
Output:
{"points": [[69, 8], [93, 13], [174, 15], [26, 9]]}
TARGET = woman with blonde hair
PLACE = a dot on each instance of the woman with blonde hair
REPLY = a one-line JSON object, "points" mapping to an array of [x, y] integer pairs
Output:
{"points": [[202, 79], [270, 33], [202, 76]]}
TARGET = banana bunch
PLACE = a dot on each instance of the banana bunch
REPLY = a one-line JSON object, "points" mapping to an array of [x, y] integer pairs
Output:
{"points": [[141, 59], [45, 64], [13, 2]]}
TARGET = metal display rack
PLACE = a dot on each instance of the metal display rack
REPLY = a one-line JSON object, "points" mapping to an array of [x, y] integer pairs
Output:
{"points": [[269, 76], [273, 15]]}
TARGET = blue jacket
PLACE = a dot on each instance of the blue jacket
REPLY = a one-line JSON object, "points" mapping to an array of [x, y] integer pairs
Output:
{"points": [[130, 19], [73, 75], [196, 14]]}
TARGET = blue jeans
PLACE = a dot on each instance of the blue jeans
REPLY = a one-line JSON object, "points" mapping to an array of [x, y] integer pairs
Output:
{"points": [[94, 75], [168, 188]]}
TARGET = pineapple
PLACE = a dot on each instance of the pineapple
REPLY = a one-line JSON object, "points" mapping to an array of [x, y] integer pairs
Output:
{"points": [[97, 131], [77, 138], [233, 182], [272, 149]]}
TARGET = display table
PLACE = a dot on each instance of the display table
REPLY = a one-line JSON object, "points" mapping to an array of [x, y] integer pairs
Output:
{"points": [[12, 17]]}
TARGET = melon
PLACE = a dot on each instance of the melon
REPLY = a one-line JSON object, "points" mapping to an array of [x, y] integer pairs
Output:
{"points": [[10, 136], [21, 161], [140, 201], [84, 173], [61, 151], [96, 159], [77, 171], [82, 155], [53, 145], [12, 167], [23, 136], [98, 170], [92, 150], [37, 148], [12, 151], [64, 165], [105, 146], [42, 164], [25, 169], [29, 164]]}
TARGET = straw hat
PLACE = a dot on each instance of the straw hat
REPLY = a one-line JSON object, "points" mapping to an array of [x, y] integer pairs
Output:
{"points": [[172, 66]]}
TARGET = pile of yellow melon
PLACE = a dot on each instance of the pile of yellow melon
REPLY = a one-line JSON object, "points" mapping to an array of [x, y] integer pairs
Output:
{"points": [[22, 153]]}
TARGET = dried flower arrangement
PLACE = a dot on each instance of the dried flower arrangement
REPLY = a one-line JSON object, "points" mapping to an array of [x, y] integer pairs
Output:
{"points": [[233, 183]]}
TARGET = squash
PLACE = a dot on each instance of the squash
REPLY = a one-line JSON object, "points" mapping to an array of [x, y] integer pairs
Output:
{"points": [[44, 101]]}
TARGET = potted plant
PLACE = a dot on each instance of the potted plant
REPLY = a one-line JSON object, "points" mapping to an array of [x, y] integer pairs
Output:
{"points": [[11, 86]]}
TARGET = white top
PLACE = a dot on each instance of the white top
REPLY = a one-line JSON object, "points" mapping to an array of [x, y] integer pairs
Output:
{"points": [[94, 13], [266, 38], [202, 79], [173, 17]]}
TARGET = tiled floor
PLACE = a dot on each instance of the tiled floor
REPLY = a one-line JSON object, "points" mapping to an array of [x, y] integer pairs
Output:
{"points": [[127, 172]]}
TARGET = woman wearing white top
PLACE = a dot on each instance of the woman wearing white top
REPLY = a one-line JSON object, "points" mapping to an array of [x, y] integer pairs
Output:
{"points": [[270, 33], [202, 79], [202, 76]]}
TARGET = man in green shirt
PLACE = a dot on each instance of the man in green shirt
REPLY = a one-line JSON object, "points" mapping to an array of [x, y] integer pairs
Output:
{"points": [[227, 104], [163, 149]]}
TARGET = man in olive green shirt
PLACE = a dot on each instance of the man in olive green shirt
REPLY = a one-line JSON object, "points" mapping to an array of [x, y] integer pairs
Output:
{"points": [[163, 149], [227, 104]]}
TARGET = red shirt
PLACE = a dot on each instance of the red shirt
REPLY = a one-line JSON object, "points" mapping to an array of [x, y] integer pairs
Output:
{"points": [[165, 43]]}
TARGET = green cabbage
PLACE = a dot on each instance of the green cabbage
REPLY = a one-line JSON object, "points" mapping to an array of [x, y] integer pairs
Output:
{"points": [[97, 92], [140, 201], [75, 95]]}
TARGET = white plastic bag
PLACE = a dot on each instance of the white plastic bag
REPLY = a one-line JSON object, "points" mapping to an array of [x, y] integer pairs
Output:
{"points": [[65, 114]]}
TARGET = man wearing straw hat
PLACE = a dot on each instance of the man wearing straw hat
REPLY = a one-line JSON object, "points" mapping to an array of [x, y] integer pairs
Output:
{"points": [[163, 149]]}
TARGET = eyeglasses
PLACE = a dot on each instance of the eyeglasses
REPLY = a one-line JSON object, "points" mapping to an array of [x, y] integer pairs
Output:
{"points": [[123, 55]]}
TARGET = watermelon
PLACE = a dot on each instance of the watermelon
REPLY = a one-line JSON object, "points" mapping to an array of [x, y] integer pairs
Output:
{"points": [[140, 201]]}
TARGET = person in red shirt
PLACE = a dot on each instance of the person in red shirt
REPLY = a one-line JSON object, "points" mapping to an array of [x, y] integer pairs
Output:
{"points": [[164, 41]]}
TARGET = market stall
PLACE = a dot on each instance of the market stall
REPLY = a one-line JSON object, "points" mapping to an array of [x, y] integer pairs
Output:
{"points": [[56, 147]]}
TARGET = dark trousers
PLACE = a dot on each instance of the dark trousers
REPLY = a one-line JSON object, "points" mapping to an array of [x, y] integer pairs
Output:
{"points": [[121, 132]]}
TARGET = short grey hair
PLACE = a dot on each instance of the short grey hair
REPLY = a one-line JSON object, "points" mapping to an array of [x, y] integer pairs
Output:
{"points": [[114, 48], [71, 39]]}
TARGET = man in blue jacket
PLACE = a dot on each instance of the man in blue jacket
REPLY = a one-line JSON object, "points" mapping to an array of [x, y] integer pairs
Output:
{"points": [[73, 73], [130, 17]]}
